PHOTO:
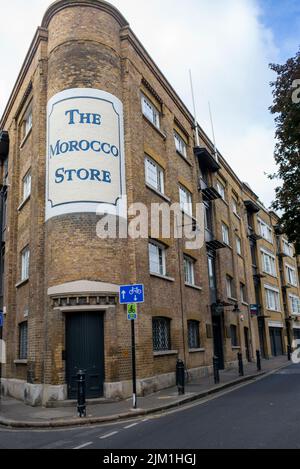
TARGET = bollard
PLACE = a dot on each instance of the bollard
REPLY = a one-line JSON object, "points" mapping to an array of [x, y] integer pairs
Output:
{"points": [[216, 369], [180, 377], [241, 365], [81, 405], [289, 352], [258, 360]]}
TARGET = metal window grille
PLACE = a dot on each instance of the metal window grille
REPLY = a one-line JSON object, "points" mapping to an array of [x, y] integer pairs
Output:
{"points": [[194, 336], [161, 334], [23, 340]]}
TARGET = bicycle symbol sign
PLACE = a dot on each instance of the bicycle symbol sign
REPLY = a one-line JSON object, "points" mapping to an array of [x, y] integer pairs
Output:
{"points": [[131, 294]]}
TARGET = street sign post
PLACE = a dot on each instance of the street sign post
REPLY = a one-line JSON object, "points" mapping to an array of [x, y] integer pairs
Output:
{"points": [[130, 294]]}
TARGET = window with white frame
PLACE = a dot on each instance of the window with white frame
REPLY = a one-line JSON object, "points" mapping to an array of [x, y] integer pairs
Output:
{"points": [[243, 293], [27, 185], [189, 271], [229, 286], [295, 304], [180, 144], [265, 230], [25, 257], [287, 248], [269, 263], [193, 333], [154, 175], [157, 258], [221, 189], [291, 275], [225, 234], [150, 111], [272, 299], [27, 123], [235, 208], [185, 200], [238, 245]]}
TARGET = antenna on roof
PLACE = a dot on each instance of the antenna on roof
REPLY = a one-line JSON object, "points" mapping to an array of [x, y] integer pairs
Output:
{"points": [[195, 115], [213, 132]]}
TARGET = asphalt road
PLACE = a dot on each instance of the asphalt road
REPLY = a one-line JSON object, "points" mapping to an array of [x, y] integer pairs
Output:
{"points": [[263, 414]]}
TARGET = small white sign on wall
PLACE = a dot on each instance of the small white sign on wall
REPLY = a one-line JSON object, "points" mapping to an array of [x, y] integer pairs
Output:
{"points": [[85, 153]]}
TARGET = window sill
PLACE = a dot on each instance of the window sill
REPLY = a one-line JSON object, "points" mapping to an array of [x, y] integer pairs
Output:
{"points": [[223, 200], [274, 310], [196, 350], [25, 139], [24, 202], [20, 362], [163, 196], [240, 256], [244, 303], [270, 275], [163, 277], [237, 216], [163, 135], [185, 158], [232, 299], [196, 287], [164, 353], [236, 347], [22, 282]]}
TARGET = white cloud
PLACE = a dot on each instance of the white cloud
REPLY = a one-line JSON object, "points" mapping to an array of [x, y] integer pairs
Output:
{"points": [[224, 44]]}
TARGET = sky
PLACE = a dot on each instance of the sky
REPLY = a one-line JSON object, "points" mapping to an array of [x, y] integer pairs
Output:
{"points": [[227, 44]]}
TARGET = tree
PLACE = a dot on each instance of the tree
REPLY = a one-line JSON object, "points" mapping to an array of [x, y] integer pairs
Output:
{"points": [[286, 106]]}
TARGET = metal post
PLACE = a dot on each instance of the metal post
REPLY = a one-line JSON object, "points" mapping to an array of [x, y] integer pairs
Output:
{"points": [[241, 365], [258, 360], [289, 352], [180, 377], [216, 369], [81, 405], [134, 396]]}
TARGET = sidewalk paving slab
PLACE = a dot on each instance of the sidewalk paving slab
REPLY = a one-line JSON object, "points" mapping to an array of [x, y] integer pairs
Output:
{"points": [[16, 414]]}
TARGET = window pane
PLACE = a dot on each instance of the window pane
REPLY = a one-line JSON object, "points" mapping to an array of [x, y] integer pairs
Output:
{"points": [[161, 334]]}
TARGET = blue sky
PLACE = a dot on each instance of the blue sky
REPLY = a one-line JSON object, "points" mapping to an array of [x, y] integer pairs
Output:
{"points": [[228, 44]]}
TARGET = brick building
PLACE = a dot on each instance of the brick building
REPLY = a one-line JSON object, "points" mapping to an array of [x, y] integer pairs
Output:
{"points": [[60, 281]]}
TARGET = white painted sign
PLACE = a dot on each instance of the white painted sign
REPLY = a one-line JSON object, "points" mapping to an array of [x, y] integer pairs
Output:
{"points": [[85, 153]]}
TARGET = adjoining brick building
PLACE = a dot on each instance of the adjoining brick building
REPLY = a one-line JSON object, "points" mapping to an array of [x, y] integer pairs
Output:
{"points": [[60, 281]]}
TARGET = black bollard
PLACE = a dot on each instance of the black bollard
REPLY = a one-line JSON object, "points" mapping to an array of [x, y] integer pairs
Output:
{"points": [[289, 352], [180, 377], [258, 360], [216, 369], [81, 405], [241, 365]]}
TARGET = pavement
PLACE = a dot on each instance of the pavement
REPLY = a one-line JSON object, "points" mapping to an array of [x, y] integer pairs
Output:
{"points": [[16, 414]]}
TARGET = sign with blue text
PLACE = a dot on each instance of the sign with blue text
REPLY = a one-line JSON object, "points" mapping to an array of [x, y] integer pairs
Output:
{"points": [[1, 318], [131, 294], [85, 153], [132, 312]]}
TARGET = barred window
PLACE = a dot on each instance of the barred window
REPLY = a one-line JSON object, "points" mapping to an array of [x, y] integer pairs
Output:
{"points": [[161, 334], [23, 336], [194, 336]]}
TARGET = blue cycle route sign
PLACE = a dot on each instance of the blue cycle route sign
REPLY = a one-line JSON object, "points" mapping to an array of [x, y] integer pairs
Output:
{"points": [[131, 294], [1, 318]]}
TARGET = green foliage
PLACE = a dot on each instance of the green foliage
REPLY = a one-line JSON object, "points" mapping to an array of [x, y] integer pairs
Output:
{"points": [[286, 107]]}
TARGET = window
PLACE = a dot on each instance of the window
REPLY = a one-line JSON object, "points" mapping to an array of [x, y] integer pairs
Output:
{"points": [[221, 189], [243, 293], [26, 186], [295, 304], [157, 258], [238, 245], [194, 336], [180, 144], [208, 216], [225, 233], [185, 199], [25, 255], [23, 340], [235, 206], [154, 175], [272, 299], [229, 286], [189, 275], [265, 230], [291, 275], [269, 263], [161, 334], [27, 123], [234, 336], [150, 111], [287, 248]]}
